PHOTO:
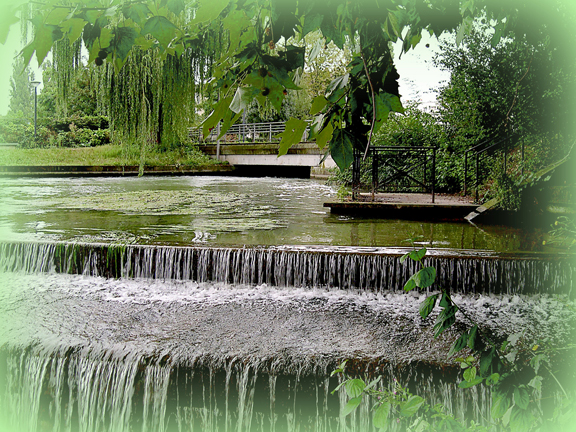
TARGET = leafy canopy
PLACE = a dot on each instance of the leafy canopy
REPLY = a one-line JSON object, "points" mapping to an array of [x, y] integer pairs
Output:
{"points": [[257, 59]]}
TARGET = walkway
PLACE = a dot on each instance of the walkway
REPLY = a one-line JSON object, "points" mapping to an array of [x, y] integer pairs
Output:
{"points": [[406, 206]]}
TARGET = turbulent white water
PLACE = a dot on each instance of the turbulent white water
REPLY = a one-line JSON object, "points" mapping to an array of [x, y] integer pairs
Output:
{"points": [[102, 338]]}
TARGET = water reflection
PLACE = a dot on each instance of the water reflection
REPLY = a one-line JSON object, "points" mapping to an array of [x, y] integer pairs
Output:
{"points": [[217, 211]]}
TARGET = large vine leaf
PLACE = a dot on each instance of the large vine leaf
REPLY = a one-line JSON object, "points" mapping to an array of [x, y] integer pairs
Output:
{"points": [[160, 28], [425, 277], [411, 406], [355, 387], [380, 419], [293, 133], [209, 10], [137, 12], [216, 115], [324, 136], [7, 18], [45, 36], [122, 42], [500, 404], [351, 405], [342, 149], [427, 306]]}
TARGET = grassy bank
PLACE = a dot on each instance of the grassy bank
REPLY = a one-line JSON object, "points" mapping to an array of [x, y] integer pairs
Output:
{"points": [[115, 155]]}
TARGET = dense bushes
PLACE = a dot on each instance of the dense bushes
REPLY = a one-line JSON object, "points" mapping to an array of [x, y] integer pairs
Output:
{"points": [[67, 132]]}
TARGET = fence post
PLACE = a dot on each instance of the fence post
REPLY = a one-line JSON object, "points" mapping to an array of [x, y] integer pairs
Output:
{"points": [[477, 175], [433, 175], [465, 172], [218, 142], [374, 172], [522, 155]]}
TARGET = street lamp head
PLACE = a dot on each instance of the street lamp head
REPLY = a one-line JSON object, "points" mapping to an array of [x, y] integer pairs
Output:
{"points": [[35, 84]]}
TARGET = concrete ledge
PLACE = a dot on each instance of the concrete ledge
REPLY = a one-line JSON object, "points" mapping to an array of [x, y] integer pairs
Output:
{"points": [[407, 210], [110, 171]]}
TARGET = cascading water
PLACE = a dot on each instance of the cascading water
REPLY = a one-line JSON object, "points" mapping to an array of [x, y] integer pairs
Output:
{"points": [[151, 338]]}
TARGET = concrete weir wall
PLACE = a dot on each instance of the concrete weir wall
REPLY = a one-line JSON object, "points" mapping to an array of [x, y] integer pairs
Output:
{"points": [[303, 154]]}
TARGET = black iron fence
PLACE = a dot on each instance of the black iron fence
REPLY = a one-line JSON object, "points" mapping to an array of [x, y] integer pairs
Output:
{"points": [[398, 169], [484, 152]]}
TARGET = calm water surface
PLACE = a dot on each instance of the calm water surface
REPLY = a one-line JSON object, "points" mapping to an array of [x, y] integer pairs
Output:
{"points": [[216, 211]]}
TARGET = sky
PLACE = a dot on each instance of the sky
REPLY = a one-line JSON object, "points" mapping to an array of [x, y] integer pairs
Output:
{"points": [[417, 74]]}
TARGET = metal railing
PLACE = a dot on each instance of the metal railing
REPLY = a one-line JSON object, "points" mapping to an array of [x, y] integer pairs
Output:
{"points": [[243, 133], [484, 150], [399, 169]]}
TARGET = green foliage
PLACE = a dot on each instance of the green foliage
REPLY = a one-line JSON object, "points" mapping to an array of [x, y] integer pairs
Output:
{"points": [[21, 91], [514, 371]]}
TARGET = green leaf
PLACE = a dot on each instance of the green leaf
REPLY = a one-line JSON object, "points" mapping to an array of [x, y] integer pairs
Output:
{"points": [[493, 379], [394, 23], [464, 29], [209, 10], [445, 319], [293, 133], [410, 284], [229, 119], [312, 21], [470, 374], [355, 387], [536, 360], [123, 41], [161, 28], [338, 83], [459, 344], [500, 404], [521, 397], [418, 255], [536, 382], [425, 277], [380, 419], [73, 28], [325, 135], [137, 12], [351, 405], [445, 301], [318, 104], [340, 368], [45, 36], [427, 306], [411, 406], [342, 149], [467, 384], [216, 115], [522, 420], [7, 19], [56, 16], [472, 336], [176, 6], [486, 361], [404, 257]]}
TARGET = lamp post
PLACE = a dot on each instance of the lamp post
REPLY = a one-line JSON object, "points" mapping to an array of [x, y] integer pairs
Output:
{"points": [[35, 84]]}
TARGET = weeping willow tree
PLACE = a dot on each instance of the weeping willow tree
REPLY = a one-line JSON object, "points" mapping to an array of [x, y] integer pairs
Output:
{"points": [[152, 99]]}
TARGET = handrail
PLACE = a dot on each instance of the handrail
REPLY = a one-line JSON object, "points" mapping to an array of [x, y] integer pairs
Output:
{"points": [[243, 133], [489, 145], [415, 171]]}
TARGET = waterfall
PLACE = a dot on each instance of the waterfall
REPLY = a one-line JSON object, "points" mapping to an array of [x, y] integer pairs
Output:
{"points": [[97, 390], [372, 269], [122, 338]]}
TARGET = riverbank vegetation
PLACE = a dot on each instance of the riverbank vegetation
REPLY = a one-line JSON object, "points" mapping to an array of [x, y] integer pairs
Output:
{"points": [[109, 154]]}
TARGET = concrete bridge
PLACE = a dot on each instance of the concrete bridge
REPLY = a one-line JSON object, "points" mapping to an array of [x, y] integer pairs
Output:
{"points": [[256, 145]]}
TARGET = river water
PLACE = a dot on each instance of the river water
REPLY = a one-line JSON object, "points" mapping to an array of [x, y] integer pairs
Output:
{"points": [[218, 211], [223, 304]]}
